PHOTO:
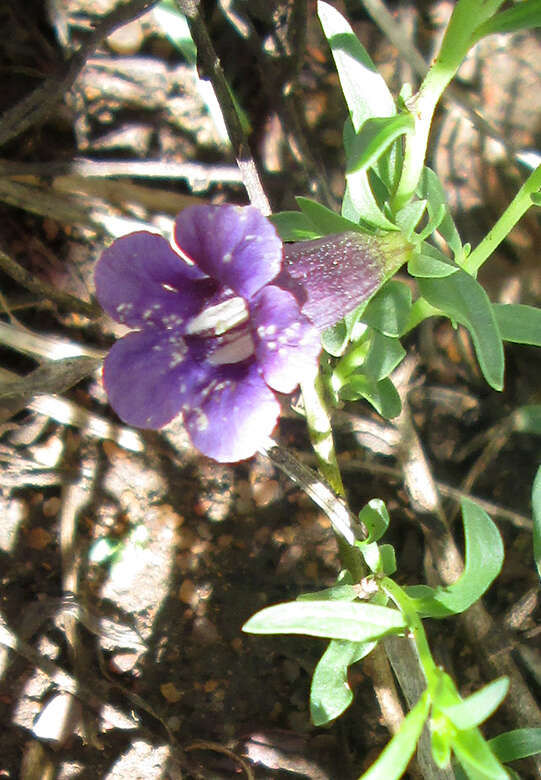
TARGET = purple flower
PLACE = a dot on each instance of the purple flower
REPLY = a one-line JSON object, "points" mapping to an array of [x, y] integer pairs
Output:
{"points": [[213, 338]]}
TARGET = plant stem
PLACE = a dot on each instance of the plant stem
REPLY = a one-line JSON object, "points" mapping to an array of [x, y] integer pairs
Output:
{"points": [[466, 16], [320, 431], [516, 209]]}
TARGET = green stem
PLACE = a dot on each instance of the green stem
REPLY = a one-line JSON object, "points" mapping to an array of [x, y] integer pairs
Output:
{"points": [[320, 431], [516, 209], [466, 16], [405, 604]]}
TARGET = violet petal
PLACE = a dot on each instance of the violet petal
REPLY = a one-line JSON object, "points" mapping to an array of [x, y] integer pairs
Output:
{"points": [[287, 344], [148, 374], [236, 413], [141, 280], [235, 245]]}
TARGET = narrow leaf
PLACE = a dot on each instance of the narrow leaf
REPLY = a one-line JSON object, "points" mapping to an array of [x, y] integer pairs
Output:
{"points": [[294, 226], [516, 744], [395, 757], [331, 619], [323, 219], [375, 518], [365, 91], [375, 137], [382, 395], [384, 355], [475, 709], [483, 562], [476, 757], [463, 299], [432, 190], [519, 323], [523, 16], [330, 693]]}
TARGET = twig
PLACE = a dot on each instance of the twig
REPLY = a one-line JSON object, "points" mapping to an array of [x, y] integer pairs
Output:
{"points": [[211, 68], [344, 522], [41, 102], [195, 173], [44, 290]]}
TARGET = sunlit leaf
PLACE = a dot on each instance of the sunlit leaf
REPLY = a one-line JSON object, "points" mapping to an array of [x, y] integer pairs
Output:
{"points": [[476, 757], [484, 556], [522, 16], [382, 395], [330, 693], [375, 137], [330, 619], [475, 709], [431, 189], [375, 517]]}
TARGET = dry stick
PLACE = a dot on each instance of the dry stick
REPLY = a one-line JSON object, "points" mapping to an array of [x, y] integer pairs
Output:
{"points": [[42, 101], [35, 285], [211, 68]]}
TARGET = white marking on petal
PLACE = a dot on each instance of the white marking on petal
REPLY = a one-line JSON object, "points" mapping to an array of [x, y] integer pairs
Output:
{"points": [[220, 318], [169, 288], [235, 351], [227, 257]]}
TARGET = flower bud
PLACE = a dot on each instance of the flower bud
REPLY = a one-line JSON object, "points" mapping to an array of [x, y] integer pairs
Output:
{"points": [[331, 276]]}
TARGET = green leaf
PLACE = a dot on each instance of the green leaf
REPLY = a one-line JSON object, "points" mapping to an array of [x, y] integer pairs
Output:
{"points": [[431, 189], [516, 744], [382, 395], [431, 263], [475, 709], [380, 558], [388, 311], [409, 217], [476, 757], [483, 561], [335, 593], [323, 219], [384, 355], [330, 693], [463, 299], [366, 95], [519, 323], [294, 226], [374, 138], [174, 25], [527, 419], [395, 757], [375, 518], [335, 339], [330, 619], [359, 204], [536, 510], [523, 16], [365, 91]]}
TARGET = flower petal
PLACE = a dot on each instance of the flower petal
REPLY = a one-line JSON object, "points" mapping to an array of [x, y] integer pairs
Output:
{"points": [[235, 414], [287, 345], [140, 280], [235, 245], [148, 374]]}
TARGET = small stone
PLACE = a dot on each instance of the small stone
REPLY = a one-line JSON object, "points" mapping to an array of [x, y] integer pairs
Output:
{"points": [[58, 719], [170, 693], [39, 538]]}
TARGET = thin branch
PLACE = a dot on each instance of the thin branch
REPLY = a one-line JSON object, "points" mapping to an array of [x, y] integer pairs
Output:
{"points": [[35, 285], [210, 67]]}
